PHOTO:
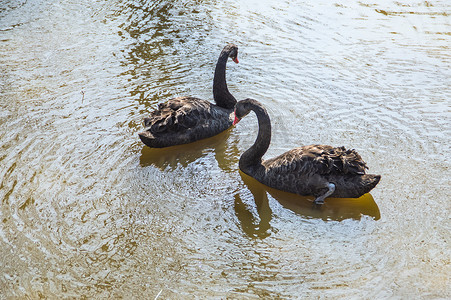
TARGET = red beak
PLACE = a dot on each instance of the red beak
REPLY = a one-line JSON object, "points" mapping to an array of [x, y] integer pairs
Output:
{"points": [[236, 119], [235, 60]]}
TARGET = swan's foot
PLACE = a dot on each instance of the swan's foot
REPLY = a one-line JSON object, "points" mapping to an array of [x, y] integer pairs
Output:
{"points": [[320, 200]]}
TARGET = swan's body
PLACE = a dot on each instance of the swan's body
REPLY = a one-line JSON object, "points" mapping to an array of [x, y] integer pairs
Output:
{"points": [[184, 120], [316, 170]]}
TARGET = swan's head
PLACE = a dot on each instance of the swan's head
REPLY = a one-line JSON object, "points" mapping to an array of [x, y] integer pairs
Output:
{"points": [[232, 49], [243, 108]]}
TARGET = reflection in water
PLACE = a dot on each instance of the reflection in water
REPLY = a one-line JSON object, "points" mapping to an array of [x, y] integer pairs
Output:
{"points": [[335, 209], [149, 33], [252, 226], [161, 46], [224, 148]]}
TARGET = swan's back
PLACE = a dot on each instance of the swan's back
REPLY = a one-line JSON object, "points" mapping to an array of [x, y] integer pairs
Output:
{"points": [[318, 159], [177, 114], [184, 120]]}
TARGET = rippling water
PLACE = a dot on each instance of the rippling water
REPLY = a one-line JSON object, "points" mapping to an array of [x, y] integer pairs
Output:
{"points": [[88, 211]]}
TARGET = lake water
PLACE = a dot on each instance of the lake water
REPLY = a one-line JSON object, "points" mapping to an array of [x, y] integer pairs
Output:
{"points": [[88, 211]]}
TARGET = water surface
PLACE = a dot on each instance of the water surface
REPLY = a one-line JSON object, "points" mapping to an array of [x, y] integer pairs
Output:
{"points": [[88, 211]]}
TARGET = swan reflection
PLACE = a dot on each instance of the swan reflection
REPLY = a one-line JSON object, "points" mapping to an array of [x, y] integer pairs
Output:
{"points": [[224, 149], [334, 209], [256, 227]]}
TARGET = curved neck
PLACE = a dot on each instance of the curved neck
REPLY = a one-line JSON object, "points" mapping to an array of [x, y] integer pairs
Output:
{"points": [[252, 158], [221, 93]]}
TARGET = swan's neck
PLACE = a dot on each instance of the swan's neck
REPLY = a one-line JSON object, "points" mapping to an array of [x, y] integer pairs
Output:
{"points": [[221, 93], [251, 160]]}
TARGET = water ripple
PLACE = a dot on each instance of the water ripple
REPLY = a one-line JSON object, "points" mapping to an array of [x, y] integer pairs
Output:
{"points": [[88, 211]]}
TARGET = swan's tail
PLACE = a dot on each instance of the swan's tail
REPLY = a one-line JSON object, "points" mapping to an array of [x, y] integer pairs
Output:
{"points": [[354, 186]]}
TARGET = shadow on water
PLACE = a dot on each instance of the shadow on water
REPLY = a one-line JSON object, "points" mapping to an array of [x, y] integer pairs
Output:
{"points": [[224, 148], [334, 209]]}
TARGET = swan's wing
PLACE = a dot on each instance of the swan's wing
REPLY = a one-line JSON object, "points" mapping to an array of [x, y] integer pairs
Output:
{"points": [[317, 159], [345, 161], [178, 114]]}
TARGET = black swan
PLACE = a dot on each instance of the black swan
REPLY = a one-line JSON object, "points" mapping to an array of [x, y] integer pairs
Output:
{"points": [[316, 170], [184, 120]]}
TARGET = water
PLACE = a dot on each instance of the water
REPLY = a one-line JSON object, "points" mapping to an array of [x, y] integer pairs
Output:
{"points": [[88, 211]]}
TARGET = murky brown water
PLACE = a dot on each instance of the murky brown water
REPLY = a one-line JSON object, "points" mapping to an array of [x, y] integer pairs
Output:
{"points": [[87, 211]]}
